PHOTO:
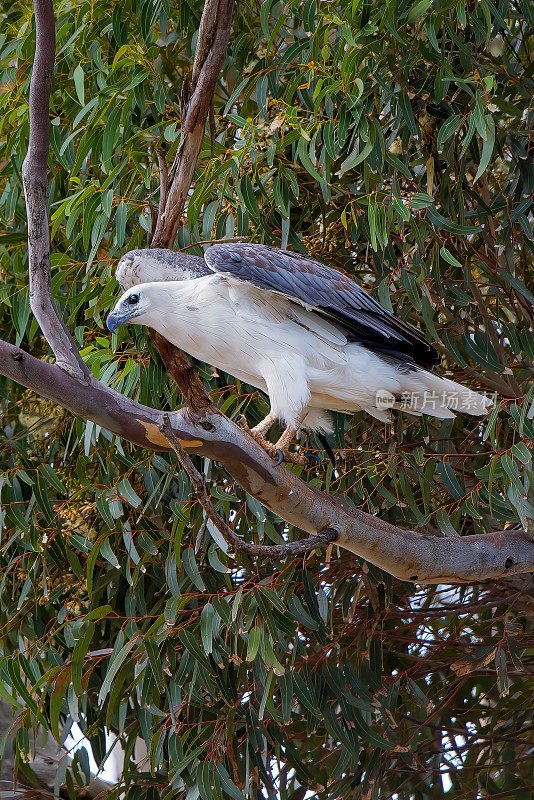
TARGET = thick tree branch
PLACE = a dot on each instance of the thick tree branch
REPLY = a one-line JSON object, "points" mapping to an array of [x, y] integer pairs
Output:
{"points": [[405, 554], [212, 44], [35, 182]]}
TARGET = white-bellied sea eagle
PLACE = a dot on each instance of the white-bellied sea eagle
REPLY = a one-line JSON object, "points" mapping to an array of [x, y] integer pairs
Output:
{"points": [[303, 332]]}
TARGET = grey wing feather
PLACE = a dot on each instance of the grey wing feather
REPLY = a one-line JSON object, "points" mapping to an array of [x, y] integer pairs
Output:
{"points": [[328, 293]]}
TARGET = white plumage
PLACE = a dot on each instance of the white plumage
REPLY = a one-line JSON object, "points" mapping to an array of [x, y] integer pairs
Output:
{"points": [[306, 360]]}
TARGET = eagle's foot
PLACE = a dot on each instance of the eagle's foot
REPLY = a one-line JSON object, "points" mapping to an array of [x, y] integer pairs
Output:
{"points": [[280, 451], [258, 437], [283, 452], [289, 457], [279, 454]]}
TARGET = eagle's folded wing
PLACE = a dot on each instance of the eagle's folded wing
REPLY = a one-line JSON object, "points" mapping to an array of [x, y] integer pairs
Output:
{"points": [[328, 293]]}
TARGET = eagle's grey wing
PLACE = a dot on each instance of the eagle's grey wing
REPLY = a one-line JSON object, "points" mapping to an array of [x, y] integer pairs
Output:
{"points": [[158, 264], [328, 293]]}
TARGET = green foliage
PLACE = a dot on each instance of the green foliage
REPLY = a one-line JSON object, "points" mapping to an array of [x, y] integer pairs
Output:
{"points": [[393, 141]]}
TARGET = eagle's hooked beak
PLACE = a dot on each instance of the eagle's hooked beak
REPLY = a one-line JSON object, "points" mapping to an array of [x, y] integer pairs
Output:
{"points": [[113, 321], [126, 308]]}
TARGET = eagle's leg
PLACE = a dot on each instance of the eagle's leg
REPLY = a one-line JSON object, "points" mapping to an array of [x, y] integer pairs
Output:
{"points": [[263, 427], [289, 395], [281, 448]]}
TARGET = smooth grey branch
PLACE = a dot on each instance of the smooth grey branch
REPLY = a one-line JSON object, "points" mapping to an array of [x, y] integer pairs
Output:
{"points": [[35, 180]]}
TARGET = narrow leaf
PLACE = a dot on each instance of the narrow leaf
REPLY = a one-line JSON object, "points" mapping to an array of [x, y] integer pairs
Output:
{"points": [[79, 77]]}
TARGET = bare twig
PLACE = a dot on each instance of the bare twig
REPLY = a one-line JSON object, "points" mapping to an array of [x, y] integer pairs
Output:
{"points": [[163, 179], [212, 128], [198, 482], [200, 535], [215, 241], [35, 180]]}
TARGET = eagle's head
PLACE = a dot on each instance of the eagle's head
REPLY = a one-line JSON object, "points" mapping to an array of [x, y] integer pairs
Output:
{"points": [[134, 306]]}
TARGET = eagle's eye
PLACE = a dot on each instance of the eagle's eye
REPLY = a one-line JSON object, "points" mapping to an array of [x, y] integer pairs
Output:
{"points": [[133, 299]]}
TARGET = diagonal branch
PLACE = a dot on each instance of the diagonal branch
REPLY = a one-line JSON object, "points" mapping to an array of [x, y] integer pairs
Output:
{"points": [[212, 44], [407, 555], [35, 180]]}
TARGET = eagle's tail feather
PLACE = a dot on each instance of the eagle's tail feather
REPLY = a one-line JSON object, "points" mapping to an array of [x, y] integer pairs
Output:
{"points": [[441, 398]]}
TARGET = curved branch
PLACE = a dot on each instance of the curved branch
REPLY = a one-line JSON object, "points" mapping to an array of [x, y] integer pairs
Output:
{"points": [[35, 182], [407, 555], [201, 493]]}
